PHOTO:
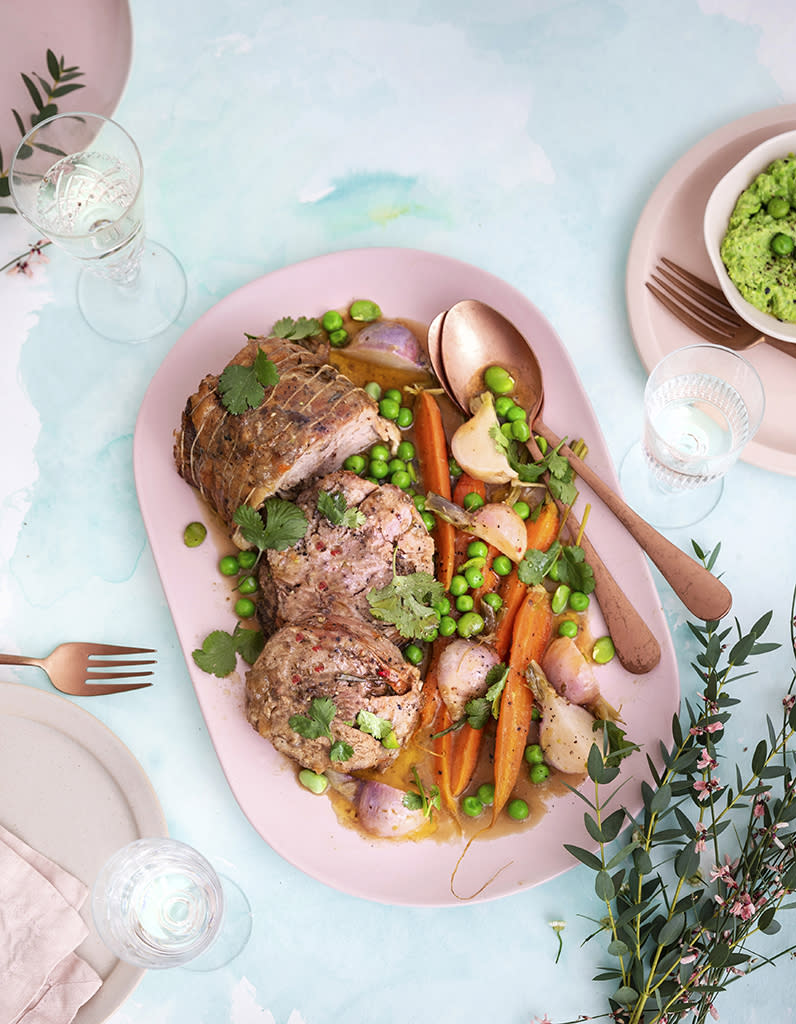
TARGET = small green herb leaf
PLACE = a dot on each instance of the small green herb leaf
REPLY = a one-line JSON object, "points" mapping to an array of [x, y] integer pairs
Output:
{"points": [[285, 524], [334, 507], [243, 387], [408, 602], [296, 330]]}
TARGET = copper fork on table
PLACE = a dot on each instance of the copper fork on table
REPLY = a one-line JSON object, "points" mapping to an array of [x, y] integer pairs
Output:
{"points": [[71, 667], [703, 307]]}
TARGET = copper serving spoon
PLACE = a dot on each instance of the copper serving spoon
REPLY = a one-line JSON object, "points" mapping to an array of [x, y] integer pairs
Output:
{"points": [[475, 336]]}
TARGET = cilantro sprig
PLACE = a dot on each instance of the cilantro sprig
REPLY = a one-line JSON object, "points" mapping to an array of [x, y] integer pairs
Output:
{"points": [[420, 800], [285, 524], [408, 602], [219, 650], [318, 722], [573, 569], [561, 479], [243, 387], [334, 507], [480, 709], [296, 330]]}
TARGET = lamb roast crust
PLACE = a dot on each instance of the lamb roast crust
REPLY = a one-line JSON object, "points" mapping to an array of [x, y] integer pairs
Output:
{"points": [[334, 567], [346, 660], [307, 424]]}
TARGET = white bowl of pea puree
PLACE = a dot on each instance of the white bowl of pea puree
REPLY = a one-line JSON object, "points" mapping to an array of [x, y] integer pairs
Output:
{"points": [[750, 234]]}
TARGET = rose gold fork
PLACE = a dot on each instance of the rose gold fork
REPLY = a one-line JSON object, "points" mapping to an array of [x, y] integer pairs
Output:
{"points": [[70, 667], [703, 307]]}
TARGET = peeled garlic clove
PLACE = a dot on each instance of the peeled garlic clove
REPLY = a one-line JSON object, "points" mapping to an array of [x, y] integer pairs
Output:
{"points": [[497, 524], [566, 730], [476, 450], [461, 674]]}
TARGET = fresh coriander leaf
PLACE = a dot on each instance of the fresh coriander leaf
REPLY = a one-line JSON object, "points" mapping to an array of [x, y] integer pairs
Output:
{"points": [[496, 680], [341, 751], [374, 726], [500, 439], [535, 564], [412, 800], [478, 711], [217, 655], [564, 490], [421, 800], [296, 330], [317, 722], [285, 524], [334, 508], [408, 603], [249, 643], [243, 387], [574, 570]]}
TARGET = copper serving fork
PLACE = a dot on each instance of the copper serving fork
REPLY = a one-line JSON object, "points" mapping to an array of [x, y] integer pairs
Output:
{"points": [[71, 666], [703, 307]]}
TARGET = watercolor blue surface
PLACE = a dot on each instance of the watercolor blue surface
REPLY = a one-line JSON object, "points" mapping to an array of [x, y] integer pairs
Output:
{"points": [[523, 137]]}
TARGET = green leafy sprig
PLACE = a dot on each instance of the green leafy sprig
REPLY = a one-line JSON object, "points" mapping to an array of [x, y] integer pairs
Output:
{"points": [[318, 722], [676, 938], [43, 93]]}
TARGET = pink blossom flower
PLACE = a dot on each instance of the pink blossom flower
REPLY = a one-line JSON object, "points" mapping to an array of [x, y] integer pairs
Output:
{"points": [[759, 808], [705, 787], [714, 727], [743, 907], [702, 832], [789, 701], [714, 1013], [706, 761]]}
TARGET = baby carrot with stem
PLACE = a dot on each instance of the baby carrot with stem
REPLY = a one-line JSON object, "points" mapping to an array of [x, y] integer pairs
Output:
{"points": [[432, 451], [533, 627]]}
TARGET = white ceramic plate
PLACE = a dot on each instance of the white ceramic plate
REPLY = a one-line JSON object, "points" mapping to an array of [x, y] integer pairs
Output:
{"points": [[717, 215], [73, 791], [300, 826], [671, 224]]}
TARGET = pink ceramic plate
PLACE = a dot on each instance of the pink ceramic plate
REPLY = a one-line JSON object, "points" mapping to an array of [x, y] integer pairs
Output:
{"points": [[672, 225], [300, 826]]}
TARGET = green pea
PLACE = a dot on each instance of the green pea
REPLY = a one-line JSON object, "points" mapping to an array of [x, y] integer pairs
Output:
{"points": [[541, 443], [355, 463], [498, 380], [486, 793], [538, 773], [339, 339], [781, 244], [493, 600], [379, 469], [477, 549], [364, 310], [429, 520], [520, 431], [247, 559], [472, 501], [247, 585], [443, 606], [410, 469], [536, 714], [229, 566], [517, 809], [431, 635], [331, 321], [312, 781], [603, 650], [502, 565], [515, 413], [777, 207], [420, 502], [534, 754], [465, 603], [507, 430], [503, 405], [472, 806], [447, 625], [194, 534], [406, 451], [578, 601], [470, 624], [405, 417], [568, 628], [381, 452], [396, 464], [394, 394], [244, 608], [413, 654], [400, 478], [373, 388], [390, 741], [553, 572], [453, 467], [458, 585], [389, 408], [522, 508], [558, 602], [474, 577]]}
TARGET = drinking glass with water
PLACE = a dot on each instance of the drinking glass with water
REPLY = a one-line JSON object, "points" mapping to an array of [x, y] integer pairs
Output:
{"points": [[702, 406]]}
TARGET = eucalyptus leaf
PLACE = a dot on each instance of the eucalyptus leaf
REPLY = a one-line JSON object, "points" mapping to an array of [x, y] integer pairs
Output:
{"points": [[759, 756], [52, 65], [671, 930], [718, 954], [617, 948], [584, 856], [625, 996], [64, 90], [604, 886], [34, 92], [660, 799]]}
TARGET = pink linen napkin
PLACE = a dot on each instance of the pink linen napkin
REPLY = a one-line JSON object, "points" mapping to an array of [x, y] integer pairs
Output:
{"points": [[43, 980]]}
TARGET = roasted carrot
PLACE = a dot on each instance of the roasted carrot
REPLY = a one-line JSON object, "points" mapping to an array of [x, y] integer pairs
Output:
{"points": [[533, 626], [466, 484], [432, 451], [429, 695], [442, 748], [465, 749]]}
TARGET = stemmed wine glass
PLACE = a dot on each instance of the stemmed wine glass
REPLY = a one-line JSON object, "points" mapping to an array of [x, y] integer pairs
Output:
{"points": [[78, 179], [702, 405], [158, 902]]}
